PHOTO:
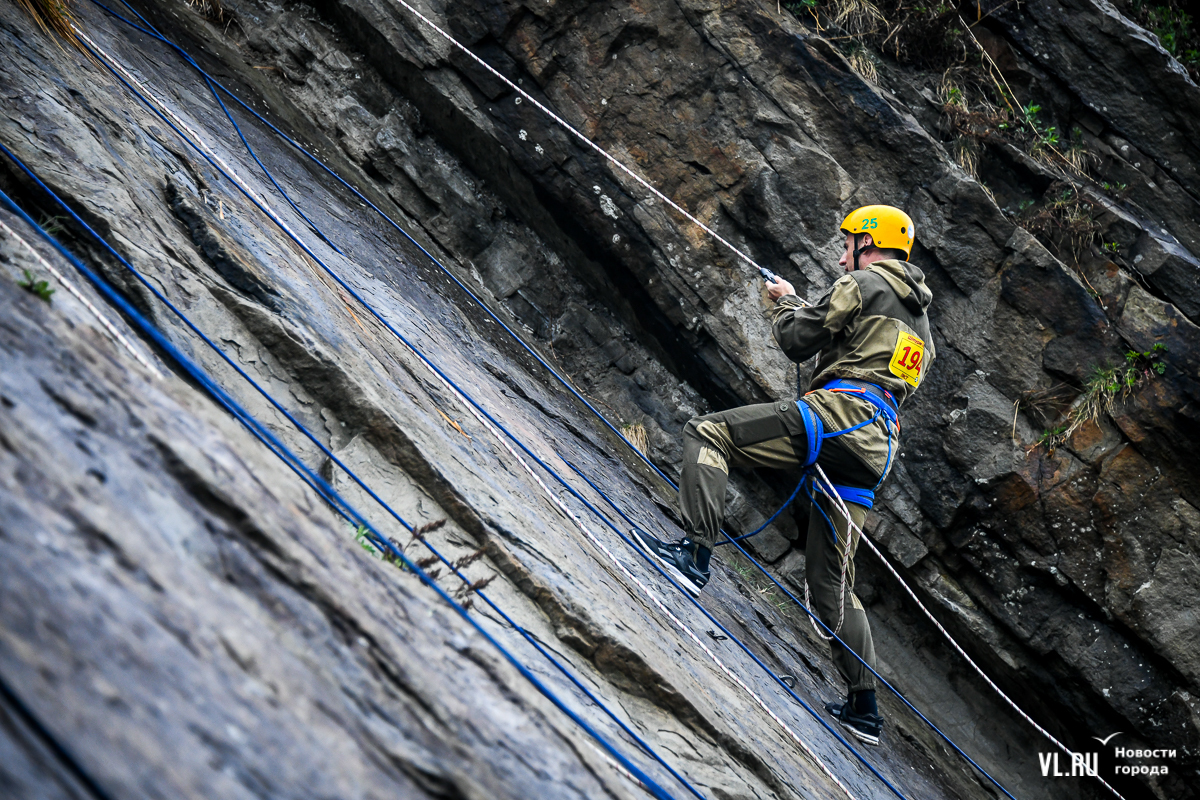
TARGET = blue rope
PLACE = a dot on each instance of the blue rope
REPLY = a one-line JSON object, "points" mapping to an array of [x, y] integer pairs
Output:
{"points": [[154, 34], [771, 519], [327, 492], [812, 497], [208, 82]]}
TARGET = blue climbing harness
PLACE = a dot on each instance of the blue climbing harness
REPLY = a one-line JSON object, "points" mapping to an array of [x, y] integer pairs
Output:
{"points": [[814, 429], [885, 406]]}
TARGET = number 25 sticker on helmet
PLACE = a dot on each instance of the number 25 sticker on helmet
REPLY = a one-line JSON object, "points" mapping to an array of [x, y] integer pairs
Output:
{"points": [[890, 228]]}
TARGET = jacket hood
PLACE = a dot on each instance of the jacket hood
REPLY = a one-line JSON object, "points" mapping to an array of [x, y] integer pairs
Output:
{"points": [[907, 281]]}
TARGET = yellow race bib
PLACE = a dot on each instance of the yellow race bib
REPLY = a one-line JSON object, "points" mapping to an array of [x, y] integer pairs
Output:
{"points": [[906, 360]]}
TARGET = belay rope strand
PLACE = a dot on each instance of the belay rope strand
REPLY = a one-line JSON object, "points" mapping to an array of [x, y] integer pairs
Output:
{"points": [[945, 633], [537, 356], [845, 568]]}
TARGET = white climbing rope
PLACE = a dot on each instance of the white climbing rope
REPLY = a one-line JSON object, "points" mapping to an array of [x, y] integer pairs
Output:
{"points": [[109, 328], [578, 135], [827, 489]]}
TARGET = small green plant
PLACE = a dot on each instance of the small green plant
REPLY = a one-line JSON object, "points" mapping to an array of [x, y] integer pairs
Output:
{"points": [[362, 536], [1052, 438], [1104, 388], [33, 286], [953, 95], [1025, 204], [1044, 140], [1029, 116], [1147, 361], [1111, 248], [1172, 27], [52, 225]]}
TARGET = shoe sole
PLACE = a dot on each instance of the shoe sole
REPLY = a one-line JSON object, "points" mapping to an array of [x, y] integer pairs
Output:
{"points": [[646, 546], [682, 579], [865, 738]]}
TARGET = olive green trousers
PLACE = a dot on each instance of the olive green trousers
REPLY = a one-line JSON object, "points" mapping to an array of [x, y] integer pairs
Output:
{"points": [[772, 435]]}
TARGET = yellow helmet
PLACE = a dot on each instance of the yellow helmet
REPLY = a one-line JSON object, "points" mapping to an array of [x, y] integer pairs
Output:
{"points": [[890, 228]]}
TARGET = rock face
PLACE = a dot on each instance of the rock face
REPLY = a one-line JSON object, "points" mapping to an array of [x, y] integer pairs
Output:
{"points": [[179, 615]]}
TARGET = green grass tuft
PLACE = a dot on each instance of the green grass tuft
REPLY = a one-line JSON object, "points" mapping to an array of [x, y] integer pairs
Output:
{"points": [[1106, 387]]}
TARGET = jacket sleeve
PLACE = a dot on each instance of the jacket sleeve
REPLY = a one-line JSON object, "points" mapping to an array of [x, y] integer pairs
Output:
{"points": [[802, 331]]}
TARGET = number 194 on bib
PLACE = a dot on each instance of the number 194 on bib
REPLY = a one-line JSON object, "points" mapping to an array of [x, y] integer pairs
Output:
{"points": [[906, 360]]}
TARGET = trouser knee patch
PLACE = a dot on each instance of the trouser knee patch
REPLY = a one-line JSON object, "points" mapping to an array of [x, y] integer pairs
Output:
{"points": [[712, 458]]}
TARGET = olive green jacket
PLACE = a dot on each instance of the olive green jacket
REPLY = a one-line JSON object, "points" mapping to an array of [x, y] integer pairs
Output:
{"points": [[870, 326]]}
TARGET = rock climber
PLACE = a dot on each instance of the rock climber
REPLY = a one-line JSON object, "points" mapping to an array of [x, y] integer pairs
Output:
{"points": [[870, 333]]}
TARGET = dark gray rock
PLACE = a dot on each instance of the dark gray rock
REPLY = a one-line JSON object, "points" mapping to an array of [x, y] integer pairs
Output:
{"points": [[1068, 574]]}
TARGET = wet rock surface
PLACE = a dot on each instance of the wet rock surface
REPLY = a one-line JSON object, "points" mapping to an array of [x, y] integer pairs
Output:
{"points": [[197, 600]]}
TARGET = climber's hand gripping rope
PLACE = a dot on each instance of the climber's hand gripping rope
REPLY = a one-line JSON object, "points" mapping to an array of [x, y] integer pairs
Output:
{"points": [[777, 287]]}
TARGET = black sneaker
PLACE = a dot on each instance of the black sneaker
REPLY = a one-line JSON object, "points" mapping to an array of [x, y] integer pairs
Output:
{"points": [[866, 727], [686, 560]]}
